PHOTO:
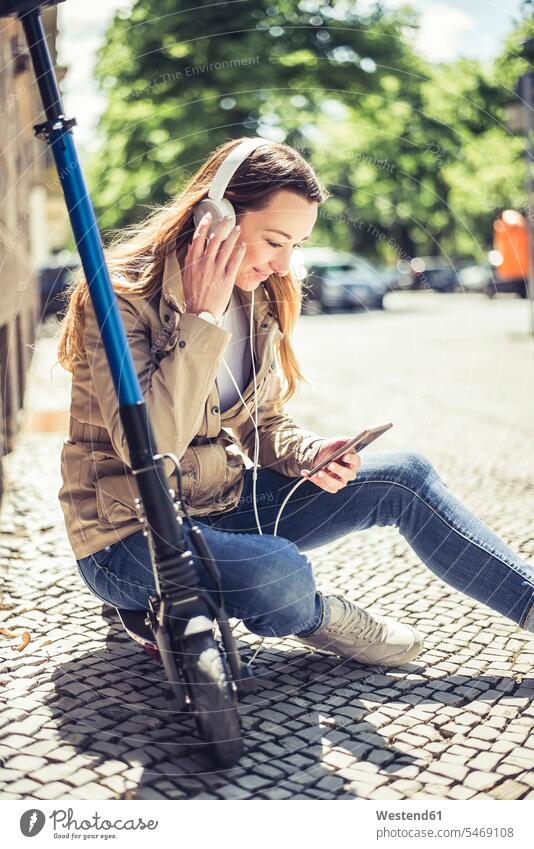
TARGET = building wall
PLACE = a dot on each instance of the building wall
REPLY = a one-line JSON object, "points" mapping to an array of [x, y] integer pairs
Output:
{"points": [[24, 161]]}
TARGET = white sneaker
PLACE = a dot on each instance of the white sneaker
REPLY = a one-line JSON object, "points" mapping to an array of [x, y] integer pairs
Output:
{"points": [[351, 631]]}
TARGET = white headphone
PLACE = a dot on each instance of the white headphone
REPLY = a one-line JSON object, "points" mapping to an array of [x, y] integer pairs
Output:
{"points": [[221, 208]]}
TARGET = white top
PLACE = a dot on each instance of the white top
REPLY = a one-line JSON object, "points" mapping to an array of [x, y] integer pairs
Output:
{"points": [[236, 354]]}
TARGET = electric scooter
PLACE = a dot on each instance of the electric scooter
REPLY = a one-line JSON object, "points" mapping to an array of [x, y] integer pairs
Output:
{"points": [[204, 676]]}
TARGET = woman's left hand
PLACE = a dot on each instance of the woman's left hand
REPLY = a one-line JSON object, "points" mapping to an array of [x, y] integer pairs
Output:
{"points": [[338, 473]]}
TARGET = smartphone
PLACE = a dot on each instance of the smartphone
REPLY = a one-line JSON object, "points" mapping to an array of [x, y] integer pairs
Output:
{"points": [[358, 442]]}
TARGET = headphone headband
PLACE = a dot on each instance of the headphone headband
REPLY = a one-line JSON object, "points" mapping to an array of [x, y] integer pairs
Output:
{"points": [[230, 165]]}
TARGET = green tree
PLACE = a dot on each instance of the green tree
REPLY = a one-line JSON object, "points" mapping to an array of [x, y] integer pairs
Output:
{"points": [[179, 84], [417, 156]]}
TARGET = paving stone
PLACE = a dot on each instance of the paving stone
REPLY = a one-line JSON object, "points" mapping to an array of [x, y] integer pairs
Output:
{"points": [[406, 787], [251, 783], [149, 793], [411, 739], [276, 793], [521, 758], [17, 742], [28, 726], [41, 747], [527, 778], [25, 763], [377, 756], [338, 759], [92, 791], [63, 754], [428, 777], [52, 772], [449, 770], [269, 771], [54, 790], [508, 789], [115, 783], [474, 743], [485, 761], [110, 768], [460, 791], [505, 768], [330, 784], [367, 782], [481, 780], [25, 786], [385, 793], [80, 777], [447, 757]]}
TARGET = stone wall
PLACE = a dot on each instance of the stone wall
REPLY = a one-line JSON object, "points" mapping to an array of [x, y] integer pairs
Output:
{"points": [[23, 166]]}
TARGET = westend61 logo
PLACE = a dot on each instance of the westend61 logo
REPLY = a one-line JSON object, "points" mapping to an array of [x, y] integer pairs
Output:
{"points": [[33, 820]]}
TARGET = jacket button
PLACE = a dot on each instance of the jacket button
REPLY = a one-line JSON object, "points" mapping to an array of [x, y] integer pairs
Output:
{"points": [[181, 343], [215, 410]]}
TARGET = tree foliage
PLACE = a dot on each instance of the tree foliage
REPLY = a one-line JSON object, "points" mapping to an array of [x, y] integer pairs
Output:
{"points": [[417, 155]]}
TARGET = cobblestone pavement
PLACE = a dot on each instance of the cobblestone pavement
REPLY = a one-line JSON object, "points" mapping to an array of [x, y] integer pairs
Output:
{"points": [[85, 715]]}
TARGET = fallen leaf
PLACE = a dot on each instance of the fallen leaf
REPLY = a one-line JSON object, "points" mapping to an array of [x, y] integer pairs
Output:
{"points": [[25, 640], [9, 634]]}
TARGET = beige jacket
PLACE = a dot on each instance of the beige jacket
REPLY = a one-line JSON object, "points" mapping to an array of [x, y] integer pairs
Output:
{"points": [[176, 356]]}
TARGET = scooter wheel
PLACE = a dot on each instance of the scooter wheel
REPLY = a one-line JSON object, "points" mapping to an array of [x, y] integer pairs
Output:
{"points": [[213, 697]]}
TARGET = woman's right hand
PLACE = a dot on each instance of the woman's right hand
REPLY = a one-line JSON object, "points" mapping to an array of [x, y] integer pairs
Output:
{"points": [[210, 268]]}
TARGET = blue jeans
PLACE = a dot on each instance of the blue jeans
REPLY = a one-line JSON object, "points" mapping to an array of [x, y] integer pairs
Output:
{"points": [[268, 581]]}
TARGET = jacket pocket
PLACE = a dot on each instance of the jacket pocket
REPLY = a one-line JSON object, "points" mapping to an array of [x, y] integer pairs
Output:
{"points": [[212, 471], [115, 500]]}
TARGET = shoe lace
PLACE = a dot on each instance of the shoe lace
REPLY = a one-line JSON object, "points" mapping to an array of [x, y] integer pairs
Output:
{"points": [[357, 618]]}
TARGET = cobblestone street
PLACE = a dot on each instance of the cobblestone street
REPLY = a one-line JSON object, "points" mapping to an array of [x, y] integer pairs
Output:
{"points": [[85, 715]]}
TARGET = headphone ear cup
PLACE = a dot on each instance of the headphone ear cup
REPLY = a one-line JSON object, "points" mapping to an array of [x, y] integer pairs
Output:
{"points": [[219, 209]]}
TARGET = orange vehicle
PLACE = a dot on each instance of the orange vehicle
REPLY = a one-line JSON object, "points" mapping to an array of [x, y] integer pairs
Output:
{"points": [[510, 254]]}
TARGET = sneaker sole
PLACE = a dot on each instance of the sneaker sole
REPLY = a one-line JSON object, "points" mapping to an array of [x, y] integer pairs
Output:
{"points": [[393, 660]]}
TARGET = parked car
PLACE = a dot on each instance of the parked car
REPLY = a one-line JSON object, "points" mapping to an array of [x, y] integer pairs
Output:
{"points": [[391, 275], [336, 280], [475, 278], [54, 279], [432, 272]]}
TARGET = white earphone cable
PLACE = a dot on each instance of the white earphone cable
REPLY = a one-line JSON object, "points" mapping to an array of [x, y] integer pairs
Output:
{"points": [[256, 434], [255, 418]]}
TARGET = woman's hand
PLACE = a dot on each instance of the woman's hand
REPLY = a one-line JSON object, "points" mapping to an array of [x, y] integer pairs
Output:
{"points": [[210, 267], [337, 474]]}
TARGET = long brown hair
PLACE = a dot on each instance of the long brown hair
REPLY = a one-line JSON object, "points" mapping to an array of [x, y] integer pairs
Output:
{"points": [[137, 253]]}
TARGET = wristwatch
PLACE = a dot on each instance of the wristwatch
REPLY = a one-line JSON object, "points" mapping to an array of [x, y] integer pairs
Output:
{"points": [[207, 316]]}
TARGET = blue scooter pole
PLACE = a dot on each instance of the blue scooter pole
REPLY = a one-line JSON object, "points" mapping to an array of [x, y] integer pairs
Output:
{"points": [[179, 606]]}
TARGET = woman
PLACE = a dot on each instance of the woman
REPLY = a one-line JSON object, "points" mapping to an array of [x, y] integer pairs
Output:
{"points": [[187, 303]]}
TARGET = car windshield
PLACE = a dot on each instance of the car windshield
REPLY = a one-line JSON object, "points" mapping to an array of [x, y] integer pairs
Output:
{"points": [[355, 272]]}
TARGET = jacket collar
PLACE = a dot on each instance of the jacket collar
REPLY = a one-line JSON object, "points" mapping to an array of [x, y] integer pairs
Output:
{"points": [[172, 293]]}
